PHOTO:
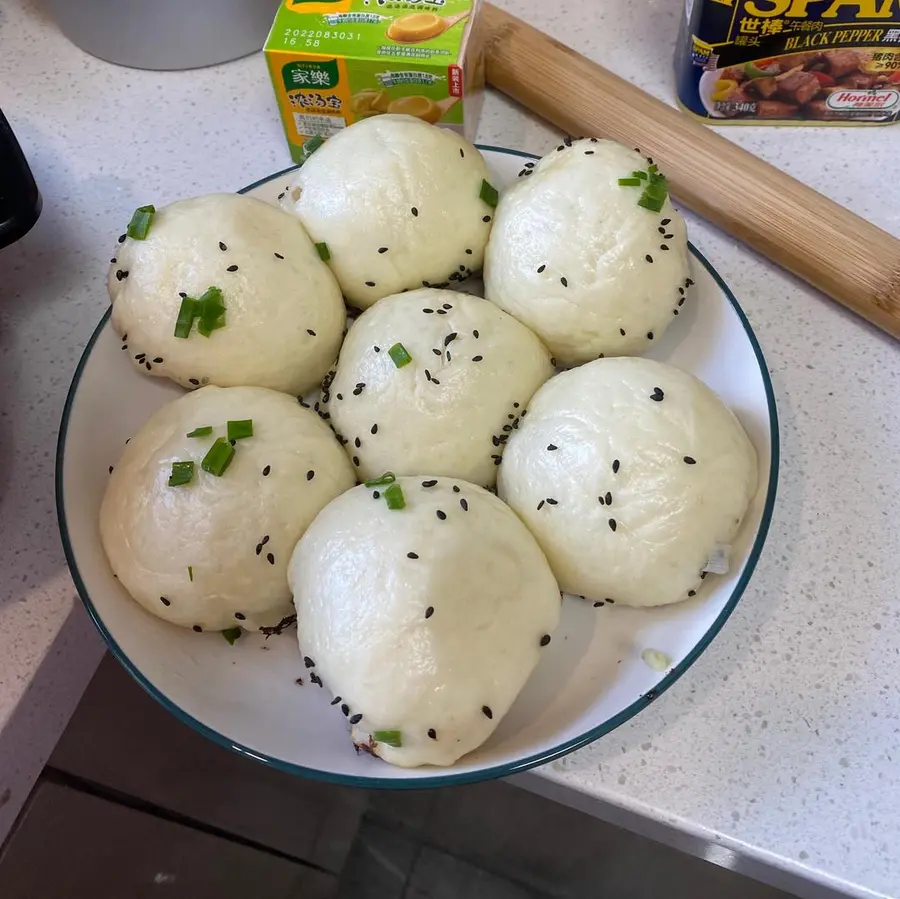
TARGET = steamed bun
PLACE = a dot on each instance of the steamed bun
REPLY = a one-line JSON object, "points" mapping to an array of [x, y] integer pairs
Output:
{"points": [[450, 410], [575, 258], [629, 473], [424, 622], [397, 203], [283, 309], [213, 554]]}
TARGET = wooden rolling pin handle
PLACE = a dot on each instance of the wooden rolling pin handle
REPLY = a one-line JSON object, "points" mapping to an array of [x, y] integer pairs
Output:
{"points": [[838, 252]]}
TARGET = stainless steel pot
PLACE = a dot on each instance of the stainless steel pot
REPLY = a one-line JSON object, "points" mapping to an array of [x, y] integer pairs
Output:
{"points": [[165, 34]]}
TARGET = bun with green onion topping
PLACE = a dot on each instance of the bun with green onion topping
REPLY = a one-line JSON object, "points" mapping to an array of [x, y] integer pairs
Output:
{"points": [[398, 203], [227, 290], [588, 251], [423, 605], [433, 382], [200, 531]]}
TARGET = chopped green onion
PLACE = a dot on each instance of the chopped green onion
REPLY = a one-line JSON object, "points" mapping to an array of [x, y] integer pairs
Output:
{"points": [[387, 478], [309, 147], [399, 354], [219, 457], [630, 182], [191, 573], [238, 430], [232, 635], [641, 175], [651, 203], [182, 473], [200, 432], [394, 497], [653, 169], [322, 248], [211, 311], [139, 226], [391, 737], [186, 315], [489, 194]]}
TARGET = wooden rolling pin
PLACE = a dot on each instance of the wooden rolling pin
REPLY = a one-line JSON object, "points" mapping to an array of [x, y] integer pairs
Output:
{"points": [[836, 251]]}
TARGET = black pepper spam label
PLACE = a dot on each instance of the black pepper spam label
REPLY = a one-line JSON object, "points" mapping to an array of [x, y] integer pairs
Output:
{"points": [[790, 61]]}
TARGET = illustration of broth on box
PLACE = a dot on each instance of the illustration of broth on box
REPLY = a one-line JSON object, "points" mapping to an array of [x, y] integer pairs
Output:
{"points": [[336, 62]]}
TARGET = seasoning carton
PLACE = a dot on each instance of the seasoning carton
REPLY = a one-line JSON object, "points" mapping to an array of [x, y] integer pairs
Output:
{"points": [[790, 61], [335, 62]]}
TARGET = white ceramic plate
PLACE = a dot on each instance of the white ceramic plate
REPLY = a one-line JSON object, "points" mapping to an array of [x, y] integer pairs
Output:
{"points": [[590, 680]]}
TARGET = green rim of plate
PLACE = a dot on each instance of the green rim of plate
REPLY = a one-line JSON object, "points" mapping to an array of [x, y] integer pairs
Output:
{"points": [[449, 779]]}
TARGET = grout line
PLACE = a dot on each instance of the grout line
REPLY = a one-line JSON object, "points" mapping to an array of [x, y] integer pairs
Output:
{"points": [[110, 794]]}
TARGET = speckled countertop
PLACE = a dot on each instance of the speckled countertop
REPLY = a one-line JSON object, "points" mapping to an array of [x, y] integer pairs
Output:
{"points": [[779, 745]]}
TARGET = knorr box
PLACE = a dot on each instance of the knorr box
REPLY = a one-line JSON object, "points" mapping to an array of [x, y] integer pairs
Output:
{"points": [[334, 62]]}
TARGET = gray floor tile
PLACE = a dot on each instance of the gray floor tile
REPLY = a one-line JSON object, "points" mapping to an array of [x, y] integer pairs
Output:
{"points": [[121, 738], [437, 875], [378, 865], [71, 845]]}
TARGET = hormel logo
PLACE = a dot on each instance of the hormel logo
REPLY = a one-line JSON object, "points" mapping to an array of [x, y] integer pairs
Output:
{"points": [[872, 99]]}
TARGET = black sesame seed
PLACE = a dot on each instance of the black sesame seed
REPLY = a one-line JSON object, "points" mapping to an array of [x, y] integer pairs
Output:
{"points": [[436, 351], [665, 221], [495, 440], [270, 558], [222, 246], [553, 363], [149, 366], [258, 548], [110, 469], [432, 733], [266, 470], [551, 447], [373, 429], [612, 524], [688, 282], [703, 575], [310, 474], [657, 395], [382, 249], [370, 283], [551, 501], [663, 246], [240, 616], [308, 662], [310, 332], [692, 592], [356, 461], [340, 396], [414, 211], [193, 381], [279, 256], [674, 312], [441, 312], [681, 301], [462, 155], [485, 218], [598, 605], [429, 612], [345, 709], [610, 600], [231, 268], [121, 238], [357, 443], [197, 629], [668, 236], [648, 257], [441, 514], [468, 252], [335, 701], [497, 459], [112, 261], [429, 483], [375, 495], [355, 719], [450, 338], [545, 639], [412, 555], [427, 375], [158, 359], [601, 500], [564, 282], [540, 505], [446, 306], [462, 268], [661, 230], [588, 152], [615, 466], [486, 711], [428, 311], [164, 601], [182, 294], [690, 460], [119, 274]]}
